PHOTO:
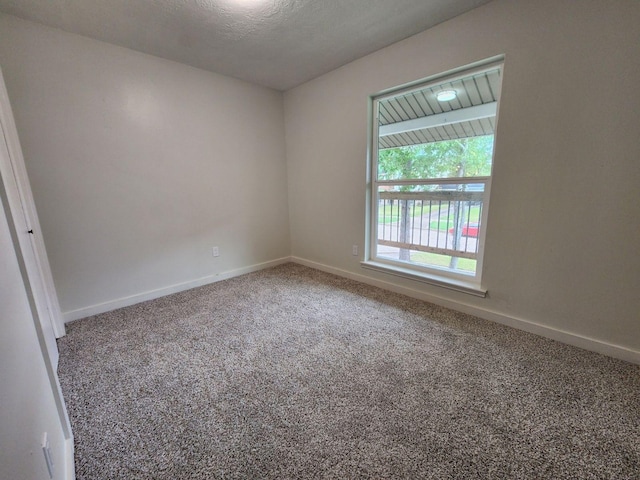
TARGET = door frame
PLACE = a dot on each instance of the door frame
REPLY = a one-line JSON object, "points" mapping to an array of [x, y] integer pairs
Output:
{"points": [[16, 200], [20, 202]]}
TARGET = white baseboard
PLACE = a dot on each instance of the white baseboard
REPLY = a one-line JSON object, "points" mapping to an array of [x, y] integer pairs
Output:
{"points": [[611, 350], [161, 292], [570, 338], [69, 467]]}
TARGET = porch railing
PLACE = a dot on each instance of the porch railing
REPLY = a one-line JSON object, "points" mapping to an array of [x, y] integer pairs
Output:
{"points": [[445, 220]]}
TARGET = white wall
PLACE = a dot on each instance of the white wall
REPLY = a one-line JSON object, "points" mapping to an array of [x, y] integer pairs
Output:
{"points": [[134, 162], [563, 230], [140, 165], [27, 404]]}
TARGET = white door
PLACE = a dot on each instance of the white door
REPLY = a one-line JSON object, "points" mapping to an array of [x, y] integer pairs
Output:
{"points": [[29, 241]]}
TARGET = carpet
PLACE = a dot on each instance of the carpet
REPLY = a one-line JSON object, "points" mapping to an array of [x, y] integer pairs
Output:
{"points": [[293, 373]]}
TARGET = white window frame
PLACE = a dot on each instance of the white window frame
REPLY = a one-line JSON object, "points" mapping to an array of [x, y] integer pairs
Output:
{"points": [[447, 278]]}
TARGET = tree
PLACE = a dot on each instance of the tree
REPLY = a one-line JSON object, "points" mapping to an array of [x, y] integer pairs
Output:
{"points": [[471, 156], [465, 157]]}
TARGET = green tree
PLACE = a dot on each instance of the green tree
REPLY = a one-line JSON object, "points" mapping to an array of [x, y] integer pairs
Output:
{"points": [[471, 156]]}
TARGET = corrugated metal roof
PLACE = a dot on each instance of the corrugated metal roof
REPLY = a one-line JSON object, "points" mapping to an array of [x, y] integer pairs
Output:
{"points": [[472, 90]]}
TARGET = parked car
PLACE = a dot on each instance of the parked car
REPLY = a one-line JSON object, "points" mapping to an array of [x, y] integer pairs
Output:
{"points": [[468, 229]]}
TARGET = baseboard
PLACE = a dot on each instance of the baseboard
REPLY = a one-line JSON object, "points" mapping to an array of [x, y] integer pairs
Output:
{"points": [[598, 346], [69, 467], [570, 338], [161, 292]]}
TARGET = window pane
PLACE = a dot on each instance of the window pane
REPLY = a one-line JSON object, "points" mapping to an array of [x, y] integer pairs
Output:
{"points": [[466, 157], [435, 225], [431, 164]]}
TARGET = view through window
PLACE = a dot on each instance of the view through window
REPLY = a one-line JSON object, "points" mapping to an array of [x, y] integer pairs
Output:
{"points": [[431, 164]]}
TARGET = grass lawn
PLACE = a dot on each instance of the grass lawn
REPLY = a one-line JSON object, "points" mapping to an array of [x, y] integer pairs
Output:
{"points": [[433, 259]]}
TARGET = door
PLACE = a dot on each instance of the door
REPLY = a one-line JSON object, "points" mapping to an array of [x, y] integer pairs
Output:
{"points": [[29, 241]]}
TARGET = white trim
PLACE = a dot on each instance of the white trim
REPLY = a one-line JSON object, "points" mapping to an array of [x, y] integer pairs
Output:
{"points": [[437, 181], [577, 340], [439, 281], [448, 76], [69, 461], [28, 208], [161, 292]]}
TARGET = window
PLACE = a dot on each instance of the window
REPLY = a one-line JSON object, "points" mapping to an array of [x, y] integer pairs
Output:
{"points": [[431, 162]]}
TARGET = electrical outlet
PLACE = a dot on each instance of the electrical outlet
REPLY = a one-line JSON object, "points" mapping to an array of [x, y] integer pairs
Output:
{"points": [[48, 457], [215, 251], [354, 250]]}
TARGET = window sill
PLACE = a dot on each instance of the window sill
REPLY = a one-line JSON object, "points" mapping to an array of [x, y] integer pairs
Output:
{"points": [[432, 279]]}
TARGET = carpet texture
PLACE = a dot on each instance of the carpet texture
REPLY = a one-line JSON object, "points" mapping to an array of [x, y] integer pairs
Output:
{"points": [[292, 373]]}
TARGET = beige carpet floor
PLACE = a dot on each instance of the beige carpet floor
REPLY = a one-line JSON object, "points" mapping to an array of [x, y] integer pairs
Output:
{"points": [[292, 373]]}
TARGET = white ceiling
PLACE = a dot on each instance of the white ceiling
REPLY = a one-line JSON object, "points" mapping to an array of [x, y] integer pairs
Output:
{"points": [[276, 43]]}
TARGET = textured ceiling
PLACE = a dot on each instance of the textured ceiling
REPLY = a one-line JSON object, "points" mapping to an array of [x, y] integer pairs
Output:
{"points": [[276, 43]]}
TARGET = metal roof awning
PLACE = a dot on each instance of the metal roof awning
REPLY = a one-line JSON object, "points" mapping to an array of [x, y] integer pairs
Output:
{"points": [[417, 117]]}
